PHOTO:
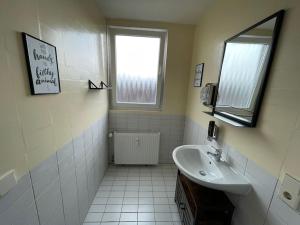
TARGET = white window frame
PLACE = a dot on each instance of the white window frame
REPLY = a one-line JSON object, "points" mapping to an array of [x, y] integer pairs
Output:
{"points": [[140, 32]]}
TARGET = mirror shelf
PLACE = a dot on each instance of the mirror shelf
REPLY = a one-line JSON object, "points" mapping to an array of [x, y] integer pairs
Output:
{"points": [[224, 119]]}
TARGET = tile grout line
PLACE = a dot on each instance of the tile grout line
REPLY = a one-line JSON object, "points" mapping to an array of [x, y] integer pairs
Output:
{"points": [[60, 188], [34, 196]]}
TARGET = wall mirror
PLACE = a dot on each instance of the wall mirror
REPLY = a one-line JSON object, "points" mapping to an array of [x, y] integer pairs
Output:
{"points": [[246, 63]]}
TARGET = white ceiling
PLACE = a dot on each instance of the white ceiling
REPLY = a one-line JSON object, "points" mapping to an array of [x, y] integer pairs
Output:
{"points": [[176, 11]]}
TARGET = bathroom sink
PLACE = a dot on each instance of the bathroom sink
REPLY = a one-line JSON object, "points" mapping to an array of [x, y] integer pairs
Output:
{"points": [[194, 162]]}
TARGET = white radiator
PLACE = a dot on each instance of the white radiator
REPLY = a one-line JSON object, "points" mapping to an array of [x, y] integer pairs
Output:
{"points": [[136, 148]]}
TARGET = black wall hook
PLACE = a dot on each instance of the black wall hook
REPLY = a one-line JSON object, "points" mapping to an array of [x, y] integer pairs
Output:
{"points": [[101, 87]]}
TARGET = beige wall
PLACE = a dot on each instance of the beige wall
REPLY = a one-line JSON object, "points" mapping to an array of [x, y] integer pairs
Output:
{"points": [[275, 142], [33, 127], [180, 43]]}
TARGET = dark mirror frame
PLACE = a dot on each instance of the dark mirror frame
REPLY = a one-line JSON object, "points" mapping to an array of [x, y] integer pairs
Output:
{"points": [[227, 118]]}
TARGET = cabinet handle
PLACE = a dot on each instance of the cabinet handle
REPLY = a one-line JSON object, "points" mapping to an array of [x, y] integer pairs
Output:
{"points": [[182, 205]]}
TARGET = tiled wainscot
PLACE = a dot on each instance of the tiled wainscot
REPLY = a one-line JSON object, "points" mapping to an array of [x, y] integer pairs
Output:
{"points": [[59, 190]]}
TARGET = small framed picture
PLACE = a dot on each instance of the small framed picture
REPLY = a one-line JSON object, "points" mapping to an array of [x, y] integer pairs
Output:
{"points": [[198, 75], [42, 66]]}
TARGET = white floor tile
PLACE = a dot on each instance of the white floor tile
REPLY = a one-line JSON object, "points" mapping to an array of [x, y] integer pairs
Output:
{"points": [[136, 178], [108, 223], [158, 183], [161, 201], [157, 179], [171, 194], [111, 217], [175, 217], [108, 178], [91, 224], [97, 208], [145, 177], [132, 188], [104, 188], [115, 201], [170, 188], [160, 194], [146, 182], [119, 182], [145, 188], [146, 217], [130, 208], [128, 223], [128, 217], [146, 223], [130, 201], [100, 201], [146, 194], [162, 208], [118, 188], [164, 223], [132, 183], [146, 201], [106, 183], [171, 201], [159, 188], [173, 208], [131, 194], [116, 194], [113, 208], [101, 194], [177, 223], [145, 208], [93, 217], [164, 217]]}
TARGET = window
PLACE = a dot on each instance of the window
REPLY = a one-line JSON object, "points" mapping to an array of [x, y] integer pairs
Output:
{"points": [[137, 67]]}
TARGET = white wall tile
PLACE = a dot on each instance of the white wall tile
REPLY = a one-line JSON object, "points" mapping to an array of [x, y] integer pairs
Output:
{"points": [[16, 192], [88, 138], [44, 174], [17, 206], [67, 176], [79, 152], [280, 213], [237, 161], [49, 205], [252, 209]]}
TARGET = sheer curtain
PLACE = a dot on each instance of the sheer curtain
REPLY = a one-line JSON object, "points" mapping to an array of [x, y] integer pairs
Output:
{"points": [[243, 64], [137, 65]]}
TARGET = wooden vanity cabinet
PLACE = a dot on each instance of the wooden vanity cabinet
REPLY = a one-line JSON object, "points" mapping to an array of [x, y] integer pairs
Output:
{"points": [[198, 205]]}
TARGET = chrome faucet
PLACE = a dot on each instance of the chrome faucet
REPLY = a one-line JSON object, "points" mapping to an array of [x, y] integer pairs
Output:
{"points": [[216, 155]]}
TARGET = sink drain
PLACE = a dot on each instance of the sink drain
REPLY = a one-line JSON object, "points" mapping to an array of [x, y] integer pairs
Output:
{"points": [[202, 173]]}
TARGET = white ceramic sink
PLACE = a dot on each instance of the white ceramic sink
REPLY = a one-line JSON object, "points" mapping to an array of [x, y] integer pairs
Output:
{"points": [[194, 162]]}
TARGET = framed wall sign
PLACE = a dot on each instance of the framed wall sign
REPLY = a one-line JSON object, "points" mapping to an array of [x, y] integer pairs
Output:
{"points": [[198, 75], [41, 59]]}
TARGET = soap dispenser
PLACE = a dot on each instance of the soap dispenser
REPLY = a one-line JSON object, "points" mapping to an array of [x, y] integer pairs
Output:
{"points": [[212, 132]]}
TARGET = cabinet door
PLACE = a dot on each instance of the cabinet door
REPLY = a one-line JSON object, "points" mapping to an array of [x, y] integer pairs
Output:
{"points": [[178, 198], [186, 216]]}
